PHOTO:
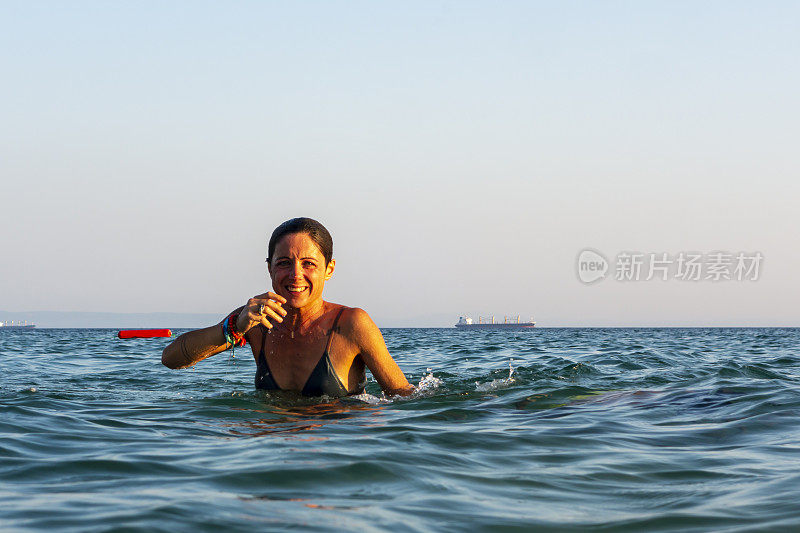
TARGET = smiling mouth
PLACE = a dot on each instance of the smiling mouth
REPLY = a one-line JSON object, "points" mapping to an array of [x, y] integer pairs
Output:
{"points": [[295, 289]]}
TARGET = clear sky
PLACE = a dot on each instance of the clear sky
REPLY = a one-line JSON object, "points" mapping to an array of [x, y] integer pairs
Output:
{"points": [[461, 153]]}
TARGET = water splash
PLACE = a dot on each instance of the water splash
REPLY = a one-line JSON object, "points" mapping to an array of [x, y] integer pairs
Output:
{"points": [[428, 381], [371, 399], [497, 383], [427, 385]]}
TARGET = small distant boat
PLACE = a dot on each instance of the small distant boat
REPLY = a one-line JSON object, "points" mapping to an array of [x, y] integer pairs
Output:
{"points": [[16, 324], [489, 323]]}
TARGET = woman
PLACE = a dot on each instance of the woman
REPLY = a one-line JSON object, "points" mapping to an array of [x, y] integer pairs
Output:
{"points": [[300, 342]]}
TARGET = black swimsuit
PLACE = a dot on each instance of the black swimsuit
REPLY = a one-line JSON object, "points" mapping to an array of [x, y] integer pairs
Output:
{"points": [[322, 381]]}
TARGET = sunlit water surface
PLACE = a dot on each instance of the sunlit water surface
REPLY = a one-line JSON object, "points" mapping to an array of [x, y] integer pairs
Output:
{"points": [[552, 429]]}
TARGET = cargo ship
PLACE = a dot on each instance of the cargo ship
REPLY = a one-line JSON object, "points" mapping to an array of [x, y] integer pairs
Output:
{"points": [[12, 324], [489, 323]]}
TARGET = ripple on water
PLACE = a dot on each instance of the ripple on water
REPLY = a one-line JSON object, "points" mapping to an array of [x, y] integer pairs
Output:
{"points": [[608, 429]]}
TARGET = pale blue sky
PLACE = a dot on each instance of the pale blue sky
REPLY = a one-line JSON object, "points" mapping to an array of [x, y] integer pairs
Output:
{"points": [[461, 153]]}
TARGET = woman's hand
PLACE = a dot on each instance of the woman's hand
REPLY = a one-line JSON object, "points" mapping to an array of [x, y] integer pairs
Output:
{"points": [[261, 309]]}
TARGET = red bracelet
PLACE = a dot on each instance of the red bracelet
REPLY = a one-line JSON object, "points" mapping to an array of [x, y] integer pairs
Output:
{"points": [[229, 331]]}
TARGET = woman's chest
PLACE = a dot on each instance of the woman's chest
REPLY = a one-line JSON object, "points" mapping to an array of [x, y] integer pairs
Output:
{"points": [[291, 362]]}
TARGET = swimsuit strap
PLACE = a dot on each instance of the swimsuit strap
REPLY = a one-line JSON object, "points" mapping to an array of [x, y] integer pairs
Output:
{"points": [[333, 327], [323, 379]]}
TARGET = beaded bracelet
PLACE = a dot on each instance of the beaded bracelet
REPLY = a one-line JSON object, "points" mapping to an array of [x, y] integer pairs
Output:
{"points": [[232, 336]]}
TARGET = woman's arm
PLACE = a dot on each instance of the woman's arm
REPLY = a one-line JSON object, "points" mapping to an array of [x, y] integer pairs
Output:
{"points": [[194, 346], [200, 344], [376, 356]]}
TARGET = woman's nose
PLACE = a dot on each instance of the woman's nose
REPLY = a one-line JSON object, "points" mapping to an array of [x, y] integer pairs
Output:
{"points": [[297, 269]]}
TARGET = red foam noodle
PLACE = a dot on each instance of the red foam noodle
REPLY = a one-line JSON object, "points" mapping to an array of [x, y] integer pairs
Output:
{"points": [[143, 333]]}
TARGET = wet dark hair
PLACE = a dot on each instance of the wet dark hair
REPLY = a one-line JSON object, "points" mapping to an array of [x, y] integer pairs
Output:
{"points": [[321, 237]]}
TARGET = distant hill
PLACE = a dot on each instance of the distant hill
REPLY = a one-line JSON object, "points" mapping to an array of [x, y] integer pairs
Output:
{"points": [[62, 319]]}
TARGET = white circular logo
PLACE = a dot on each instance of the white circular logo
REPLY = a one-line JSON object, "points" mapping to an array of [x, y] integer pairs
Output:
{"points": [[592, 266]]}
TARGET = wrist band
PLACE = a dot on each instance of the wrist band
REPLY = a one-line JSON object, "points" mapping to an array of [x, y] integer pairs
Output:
{"points": [[232, 336]]}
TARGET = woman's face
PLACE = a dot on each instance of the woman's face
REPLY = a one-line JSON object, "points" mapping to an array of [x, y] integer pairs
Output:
{"points": [[298, 270]]}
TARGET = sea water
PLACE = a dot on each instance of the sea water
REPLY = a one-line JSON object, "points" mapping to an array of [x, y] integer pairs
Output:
{"points": [[544, 429]]}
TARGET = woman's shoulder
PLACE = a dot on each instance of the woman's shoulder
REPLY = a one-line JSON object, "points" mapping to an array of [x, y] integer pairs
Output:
{"points": [[354, 321]]}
